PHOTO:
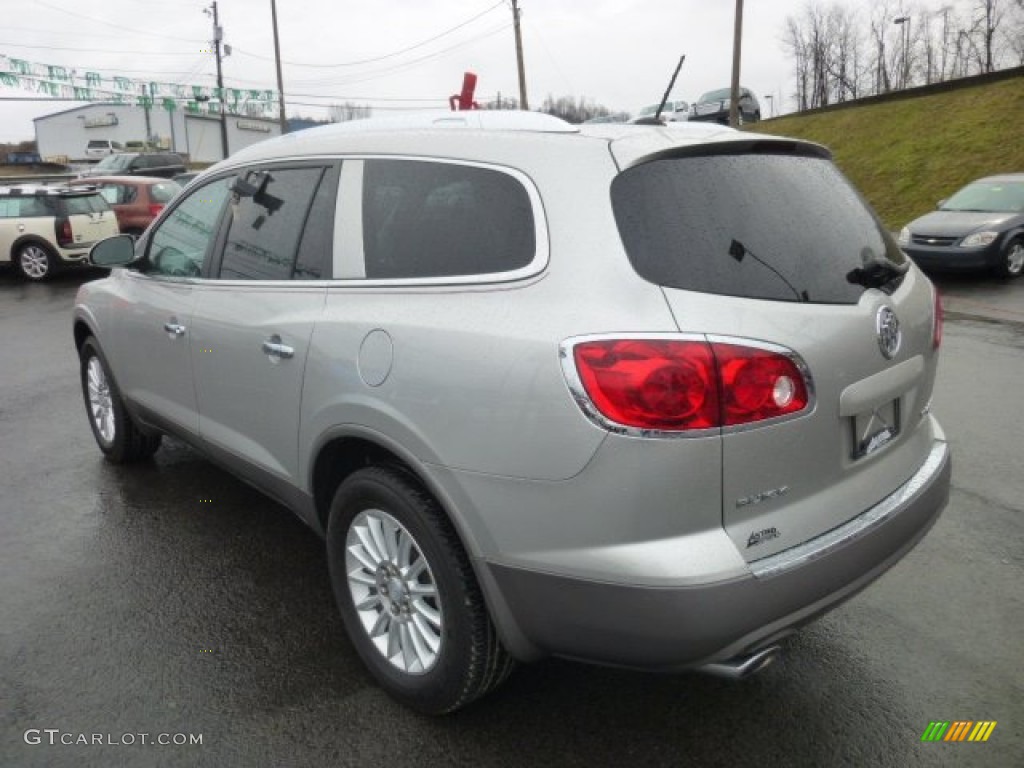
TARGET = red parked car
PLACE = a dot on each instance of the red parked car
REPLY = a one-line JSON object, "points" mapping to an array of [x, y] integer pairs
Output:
{"points": [[136, 200]]}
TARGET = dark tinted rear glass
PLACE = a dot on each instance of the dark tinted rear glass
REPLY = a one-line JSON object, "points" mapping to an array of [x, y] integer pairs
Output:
{"points": [[763, 226]]}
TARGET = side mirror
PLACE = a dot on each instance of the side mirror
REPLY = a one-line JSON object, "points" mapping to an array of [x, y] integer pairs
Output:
{"points": [[116, 251], [941, 203]]}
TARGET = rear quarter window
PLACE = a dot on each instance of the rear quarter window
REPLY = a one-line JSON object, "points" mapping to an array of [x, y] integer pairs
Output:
{"points": [[77, 205], [425, 219], [765, 226]]}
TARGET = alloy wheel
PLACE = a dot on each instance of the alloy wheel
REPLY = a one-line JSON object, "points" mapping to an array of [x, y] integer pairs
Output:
{"points": [[394, 591], [34, 261], [1015, 258], [101, 407]]}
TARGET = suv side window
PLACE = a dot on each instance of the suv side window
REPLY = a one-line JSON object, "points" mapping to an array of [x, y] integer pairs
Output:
{"points": [[180, 244], [22, 207], [266, 227], [431, 219]]}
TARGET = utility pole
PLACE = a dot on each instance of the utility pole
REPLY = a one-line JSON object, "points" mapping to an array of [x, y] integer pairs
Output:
{"points": [[523, 103], [734, 100], [280, 79], [904, 22], [218, 34], [145, 108]]}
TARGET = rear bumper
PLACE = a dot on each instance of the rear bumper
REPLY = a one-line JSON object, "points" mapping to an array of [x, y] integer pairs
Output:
{"points": [[671, 628], [74, 256]]}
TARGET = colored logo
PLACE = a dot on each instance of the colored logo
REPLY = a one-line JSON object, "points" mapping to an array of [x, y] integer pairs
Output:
{"points": [[958, 730]]}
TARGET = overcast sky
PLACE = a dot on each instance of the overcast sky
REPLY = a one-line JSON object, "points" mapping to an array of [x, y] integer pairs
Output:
{"points": [[618, 53]]}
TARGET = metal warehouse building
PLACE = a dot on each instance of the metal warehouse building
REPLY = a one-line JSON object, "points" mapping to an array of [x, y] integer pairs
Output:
{"points": [[66, 134]]}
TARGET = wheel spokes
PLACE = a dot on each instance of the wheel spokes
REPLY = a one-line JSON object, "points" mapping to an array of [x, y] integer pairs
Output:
{"points": [[393, 591]]}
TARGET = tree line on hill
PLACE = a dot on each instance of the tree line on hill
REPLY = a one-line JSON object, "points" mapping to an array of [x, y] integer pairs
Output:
{"points": [[841, 53]]}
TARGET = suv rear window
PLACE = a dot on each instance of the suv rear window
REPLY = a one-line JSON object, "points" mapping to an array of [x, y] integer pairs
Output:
{"points": [[764, 226], [429, 219]]}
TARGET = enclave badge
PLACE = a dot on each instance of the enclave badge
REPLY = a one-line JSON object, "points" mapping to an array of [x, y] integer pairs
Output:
{"points": [[889, 333]]}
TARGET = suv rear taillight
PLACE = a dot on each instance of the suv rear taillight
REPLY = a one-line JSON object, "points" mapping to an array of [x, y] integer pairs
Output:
{"points": [[937, 319], [155, 208], [680, 385], [62, 227], [757, 384]]}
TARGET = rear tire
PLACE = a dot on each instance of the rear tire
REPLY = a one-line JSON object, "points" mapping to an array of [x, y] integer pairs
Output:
{"points": [[35, 261], [121, 441], [407, 594], [1012, 263]]}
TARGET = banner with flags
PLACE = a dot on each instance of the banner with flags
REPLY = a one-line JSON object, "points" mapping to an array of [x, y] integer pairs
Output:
{"points": [[60, 82]]}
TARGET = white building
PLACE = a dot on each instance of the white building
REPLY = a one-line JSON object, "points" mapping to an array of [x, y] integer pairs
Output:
{"points": [[66, 134]]}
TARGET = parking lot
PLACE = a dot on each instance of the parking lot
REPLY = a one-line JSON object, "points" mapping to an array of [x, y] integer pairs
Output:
{"points": [[171, 599]]}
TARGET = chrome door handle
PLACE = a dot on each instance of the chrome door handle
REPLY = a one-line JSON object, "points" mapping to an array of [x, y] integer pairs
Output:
{"points": [[273, 347], [174, 329]]}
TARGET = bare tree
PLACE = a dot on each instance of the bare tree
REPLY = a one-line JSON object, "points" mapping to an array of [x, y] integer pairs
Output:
{"points": [[573, 110], [839, 53], [342, 113], [793, 40], [1013, 34]]}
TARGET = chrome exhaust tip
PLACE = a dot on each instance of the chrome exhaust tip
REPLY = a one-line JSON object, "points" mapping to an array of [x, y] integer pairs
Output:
{"points": [[740, 667]]}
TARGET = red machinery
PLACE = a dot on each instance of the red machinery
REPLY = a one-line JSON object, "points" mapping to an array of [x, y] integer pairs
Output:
{"points": [[464, 100]]}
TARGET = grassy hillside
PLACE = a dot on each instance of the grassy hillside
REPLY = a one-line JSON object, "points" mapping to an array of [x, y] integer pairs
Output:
{"points": [[904, 156]]}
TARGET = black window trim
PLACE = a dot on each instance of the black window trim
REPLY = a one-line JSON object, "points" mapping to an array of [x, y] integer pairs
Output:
{"points": [[329, 174]]}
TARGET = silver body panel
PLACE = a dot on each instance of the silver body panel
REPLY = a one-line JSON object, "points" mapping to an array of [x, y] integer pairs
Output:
{"points": [[461, 380]]}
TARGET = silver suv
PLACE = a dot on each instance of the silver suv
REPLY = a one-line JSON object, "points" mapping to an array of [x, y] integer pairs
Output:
{"points": [[627, 394]]}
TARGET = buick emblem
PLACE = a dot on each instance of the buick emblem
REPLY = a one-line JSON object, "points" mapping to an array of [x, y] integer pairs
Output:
{"points": [[889, 334]]}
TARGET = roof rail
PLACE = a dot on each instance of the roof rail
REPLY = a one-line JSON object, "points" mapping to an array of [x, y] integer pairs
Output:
{"points": [[474, 119]]}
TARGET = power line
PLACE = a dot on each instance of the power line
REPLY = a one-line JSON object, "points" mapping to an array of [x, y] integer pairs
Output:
{"points": [[363, 77], [442, 104], [377, 58], [97, 50], [76, 35], [365, 98], [115, 26]]}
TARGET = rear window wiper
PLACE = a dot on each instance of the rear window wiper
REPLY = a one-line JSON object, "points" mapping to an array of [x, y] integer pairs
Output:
{"points": [[876, 272]]}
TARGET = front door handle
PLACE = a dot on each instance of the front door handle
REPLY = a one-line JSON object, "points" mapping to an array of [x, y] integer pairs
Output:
{"points": [[174, 329], [273, 347]]}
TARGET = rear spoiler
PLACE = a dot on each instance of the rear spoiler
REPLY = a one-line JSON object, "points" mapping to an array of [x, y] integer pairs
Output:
{"points": [[638, 148]]}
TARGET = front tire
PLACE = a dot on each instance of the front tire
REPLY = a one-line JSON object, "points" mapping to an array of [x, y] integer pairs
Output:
{"points": [[1012, 263], [35, 262], [121, 441], [407, 594]]}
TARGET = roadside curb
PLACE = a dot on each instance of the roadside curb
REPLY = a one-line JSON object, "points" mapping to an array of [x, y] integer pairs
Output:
{"points": [[994, 318]]}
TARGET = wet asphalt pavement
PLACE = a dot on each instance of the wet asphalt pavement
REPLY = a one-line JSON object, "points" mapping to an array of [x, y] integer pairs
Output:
{"points": [[172, 599]]}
